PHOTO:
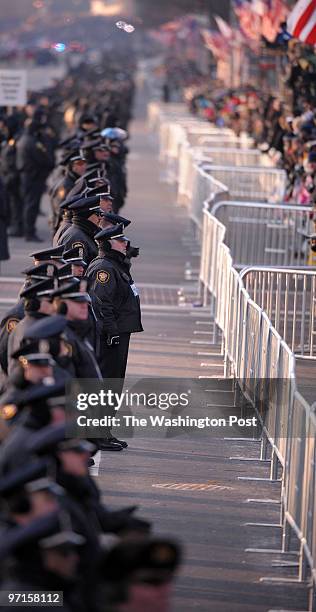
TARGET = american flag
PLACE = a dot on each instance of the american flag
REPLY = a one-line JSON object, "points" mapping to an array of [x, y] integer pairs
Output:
{"points": [[301, 22], [249, 19]]}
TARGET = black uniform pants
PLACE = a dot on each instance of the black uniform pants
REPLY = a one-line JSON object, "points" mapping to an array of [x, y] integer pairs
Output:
{"points": [[32, 191], [113, 360], [16, 206]]}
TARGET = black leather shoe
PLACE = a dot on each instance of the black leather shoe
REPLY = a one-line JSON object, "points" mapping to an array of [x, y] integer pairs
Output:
{"points": [[109, 445], [121, 442]]}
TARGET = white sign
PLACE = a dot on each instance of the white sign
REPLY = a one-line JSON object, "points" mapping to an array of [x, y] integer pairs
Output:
{"points": [[13, 87]]}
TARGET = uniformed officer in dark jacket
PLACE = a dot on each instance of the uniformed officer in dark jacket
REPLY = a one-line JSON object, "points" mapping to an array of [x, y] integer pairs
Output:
{"points": [[37, 304], [75, 166], [11, 179], [86, 216], [35, 161], [115, 301]]}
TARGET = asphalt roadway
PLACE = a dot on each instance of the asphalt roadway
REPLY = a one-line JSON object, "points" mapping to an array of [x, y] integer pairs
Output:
{"points": [[198, 489]]}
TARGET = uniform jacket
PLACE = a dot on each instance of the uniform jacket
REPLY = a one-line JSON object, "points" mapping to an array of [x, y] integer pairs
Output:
{"points": [[114, 295], [81, 233], [17, 335], [7, 325]]}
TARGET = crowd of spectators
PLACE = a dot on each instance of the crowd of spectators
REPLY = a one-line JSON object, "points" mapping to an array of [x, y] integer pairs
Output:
{"points": [[283, 127]]}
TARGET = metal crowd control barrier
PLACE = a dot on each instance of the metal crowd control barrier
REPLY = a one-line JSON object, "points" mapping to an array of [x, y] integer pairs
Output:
{"points": [[288, 296], [188, 156], [264, 366], [265, 234], [250, 183], [204, 187], [260, 359]]}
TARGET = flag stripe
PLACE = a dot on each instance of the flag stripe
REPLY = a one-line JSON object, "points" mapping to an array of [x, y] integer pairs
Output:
{"points": [[304, 34], [311, 38], [304, 18], [296, 12]]}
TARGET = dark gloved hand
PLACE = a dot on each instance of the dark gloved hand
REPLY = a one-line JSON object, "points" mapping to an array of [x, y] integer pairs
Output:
{"points": [[112, 340]]}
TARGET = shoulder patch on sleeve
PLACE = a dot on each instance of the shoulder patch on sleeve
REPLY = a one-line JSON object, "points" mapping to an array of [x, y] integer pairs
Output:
{"points": [[77, 244], [11, 324], [103, 276]]}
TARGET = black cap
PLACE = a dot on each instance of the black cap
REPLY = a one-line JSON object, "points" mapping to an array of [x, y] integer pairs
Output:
{"points": [[46, 328], [75, 255], [42, 271], [21, 540], [13, 482], [116, 219], [86, 206], [49, 254], [75, 290], [66, 203], [34, 352], [92, 176], [95, 144], [45, 441], [71, 156], [88, 118], [39, 290], [65, 272], [111, 233], [38, 394], [52, 439], [102, 190]]}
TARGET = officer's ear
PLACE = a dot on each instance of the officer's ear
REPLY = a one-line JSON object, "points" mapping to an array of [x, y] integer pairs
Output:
{"points": [[32, 304], [62, 308]]}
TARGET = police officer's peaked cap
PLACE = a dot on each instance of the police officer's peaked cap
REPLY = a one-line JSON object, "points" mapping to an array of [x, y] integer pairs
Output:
{"points": [[66, 203], [65, 272], [110, 233], [88, 118], [53, 438], [71, 156], [14, 481], [85, 205], [34, 352], [37, 394], [45, 440], [116, 219], [95, 144], [75, 290], [49, 254], [74, 256], [41, 271], [93, 174], [38, 290], [102, 190], [23, 540], [46, 327]]}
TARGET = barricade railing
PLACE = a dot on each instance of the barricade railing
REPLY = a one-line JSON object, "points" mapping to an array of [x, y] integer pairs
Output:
{"points": [[250, 183], [204, 187], [265, 234], [288, 296], [264, 366], [188, 156]]}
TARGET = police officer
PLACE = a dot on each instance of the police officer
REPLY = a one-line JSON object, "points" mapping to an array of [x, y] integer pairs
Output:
{"points": [[75, 166], [115, 301], [86, 216], [37, 304], [35, 161]]}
